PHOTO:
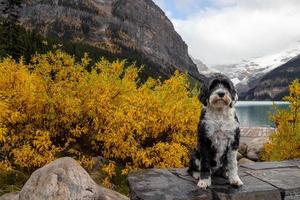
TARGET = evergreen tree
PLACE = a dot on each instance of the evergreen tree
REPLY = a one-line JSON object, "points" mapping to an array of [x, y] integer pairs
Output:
{"points": [[11, 38]]}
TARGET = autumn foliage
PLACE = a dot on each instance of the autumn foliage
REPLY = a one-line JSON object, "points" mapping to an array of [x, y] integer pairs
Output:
{"points": [[54, 107], [285, 142]]}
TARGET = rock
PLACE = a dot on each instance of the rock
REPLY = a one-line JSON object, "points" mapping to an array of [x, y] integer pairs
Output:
{"points": [[118, 26], [253, 156], [253, 189], [245, 161], [254, 148], [239, 156], [169, 184], [98, 162], [158, 184], [243, 149], [64, 179], [10, 196], [272, 165], [286, 179]]}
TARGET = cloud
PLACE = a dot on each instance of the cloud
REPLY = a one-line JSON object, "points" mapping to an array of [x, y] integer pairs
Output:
{"points": [[228, 31]]}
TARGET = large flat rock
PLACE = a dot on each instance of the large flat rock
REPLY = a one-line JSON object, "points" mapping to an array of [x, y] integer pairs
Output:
{"points": [[266, 181], [272, 165], [160, 184], [253, 189], [286, 179]]}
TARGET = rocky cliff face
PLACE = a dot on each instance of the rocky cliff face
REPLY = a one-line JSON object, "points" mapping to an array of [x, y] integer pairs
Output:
{"points": [[274, 85], [113, 25]]}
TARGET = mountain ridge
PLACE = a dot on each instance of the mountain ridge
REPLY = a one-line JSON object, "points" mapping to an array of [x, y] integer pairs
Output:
{"points": [[249, 75], [113, 25], [274, 85]]}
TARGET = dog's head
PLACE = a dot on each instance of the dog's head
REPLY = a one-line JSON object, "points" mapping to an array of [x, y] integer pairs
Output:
{"points": [[218, 92]]}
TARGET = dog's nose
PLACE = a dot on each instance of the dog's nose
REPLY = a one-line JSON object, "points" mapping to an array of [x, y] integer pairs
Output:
{"points": [[221, 94]]}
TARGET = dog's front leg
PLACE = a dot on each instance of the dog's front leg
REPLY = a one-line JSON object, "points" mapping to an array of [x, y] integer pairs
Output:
{"points": [[205, 170], [205, 175], [232, 168]]}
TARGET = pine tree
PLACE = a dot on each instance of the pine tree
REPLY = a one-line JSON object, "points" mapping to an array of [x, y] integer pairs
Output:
{"points": [[11, 36]]}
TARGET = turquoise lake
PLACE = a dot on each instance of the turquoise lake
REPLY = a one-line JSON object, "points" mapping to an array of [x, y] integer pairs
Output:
{"points": [[256, 113]]}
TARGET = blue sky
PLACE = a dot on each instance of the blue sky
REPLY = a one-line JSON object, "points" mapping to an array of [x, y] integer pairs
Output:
{"points": [[228, 31], [181, 9]]}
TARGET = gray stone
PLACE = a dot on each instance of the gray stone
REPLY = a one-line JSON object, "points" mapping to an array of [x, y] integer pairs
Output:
{"points": [[243, 161], [242, 170], [10, 196], [253, 156], [243, 149], [253, 189], [295, 162], [254, 148], [286, 179], [64, 179], [98, 162], [271, 165], [239, 156], [163, 184]]}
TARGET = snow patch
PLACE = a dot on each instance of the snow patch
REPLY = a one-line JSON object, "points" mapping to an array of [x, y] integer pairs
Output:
{"points": [[255, 68]]}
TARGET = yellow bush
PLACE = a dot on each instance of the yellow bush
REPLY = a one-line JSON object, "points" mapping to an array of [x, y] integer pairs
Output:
{"points": [[54, 107], [285, 142]]}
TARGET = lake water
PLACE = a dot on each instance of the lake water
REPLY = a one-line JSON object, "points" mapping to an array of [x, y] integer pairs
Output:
{"points": [[256, 113]]}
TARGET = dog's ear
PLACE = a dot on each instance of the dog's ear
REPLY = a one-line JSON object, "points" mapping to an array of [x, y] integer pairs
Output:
{"points": [[203, 93], [234, 98]]}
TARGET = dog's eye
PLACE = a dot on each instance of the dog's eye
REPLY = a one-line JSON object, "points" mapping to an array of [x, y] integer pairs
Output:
{"points": [[226, 84], [214, 84]]}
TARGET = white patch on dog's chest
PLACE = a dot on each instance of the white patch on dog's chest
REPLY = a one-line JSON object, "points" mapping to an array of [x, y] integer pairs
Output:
{"points": [[221, 131]]}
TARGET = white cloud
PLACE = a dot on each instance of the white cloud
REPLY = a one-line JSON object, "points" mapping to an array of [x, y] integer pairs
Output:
{"points": [[233, 30]]}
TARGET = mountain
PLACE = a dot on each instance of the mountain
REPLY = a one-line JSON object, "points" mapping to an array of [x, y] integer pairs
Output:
{"points": [[274, 85], [249, 73], [118, 26], [202, 67]]}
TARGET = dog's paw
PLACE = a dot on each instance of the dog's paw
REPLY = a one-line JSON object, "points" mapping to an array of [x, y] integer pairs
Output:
{"points": [[204, 183], [236, 181], [196, 175]]}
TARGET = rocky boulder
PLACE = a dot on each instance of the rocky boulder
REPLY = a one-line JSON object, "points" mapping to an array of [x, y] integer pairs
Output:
{"points": [[10, 196], [243, 149], [60, 180], [245, 161], [239, 156], [254, 148]]}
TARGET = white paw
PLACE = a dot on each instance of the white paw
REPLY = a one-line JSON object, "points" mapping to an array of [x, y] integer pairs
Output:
{"points": [[236, 181], [204, 183], [196, 175]]}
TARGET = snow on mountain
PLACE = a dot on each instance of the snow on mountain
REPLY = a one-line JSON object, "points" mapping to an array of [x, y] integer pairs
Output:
{"points": [[235, 81], [202, 68], [249, 70]]}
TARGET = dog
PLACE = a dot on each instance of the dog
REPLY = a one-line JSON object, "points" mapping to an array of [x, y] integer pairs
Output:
{"points": [[218, 133]]}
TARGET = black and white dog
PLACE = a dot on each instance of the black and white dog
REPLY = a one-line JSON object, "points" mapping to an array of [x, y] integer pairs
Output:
{"points": [[218, 133]]}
